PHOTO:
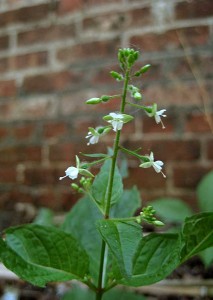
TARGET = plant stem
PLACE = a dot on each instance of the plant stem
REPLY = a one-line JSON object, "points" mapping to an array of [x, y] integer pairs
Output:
{"points": [[101, 278]]}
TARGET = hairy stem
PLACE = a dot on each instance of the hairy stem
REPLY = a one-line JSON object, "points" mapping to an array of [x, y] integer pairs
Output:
{"points": [[102, 272]]}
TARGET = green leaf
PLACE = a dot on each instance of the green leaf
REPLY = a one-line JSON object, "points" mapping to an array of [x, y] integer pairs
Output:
{"points": [[40, 254], [80, 222], [122, 239], [156, 257], [123, 294], [100, 184], [197, 234], [205, 193], [78, 292], [44, 217], [128, 204], [171, 209], [207, 256]]}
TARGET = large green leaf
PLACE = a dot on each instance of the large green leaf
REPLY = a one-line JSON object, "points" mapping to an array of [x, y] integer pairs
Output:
{"points": [[80, 222], [156, 257], [128, 204], [171, 209], [205, 193], [122, 239], [207, 256], [82, 293], [100, 185], [40, 254], [197, 234]]}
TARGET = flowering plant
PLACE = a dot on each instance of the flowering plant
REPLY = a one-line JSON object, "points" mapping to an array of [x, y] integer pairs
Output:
{"points": [[101, 241]]}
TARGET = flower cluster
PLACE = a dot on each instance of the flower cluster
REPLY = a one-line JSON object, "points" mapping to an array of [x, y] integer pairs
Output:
{"points": [[116, 120]]}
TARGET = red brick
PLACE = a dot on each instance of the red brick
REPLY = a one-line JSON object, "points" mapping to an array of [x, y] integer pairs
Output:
{"points": [[7, 174], [150, 126], [169, 150], [3, 132], [178, 93], [144, 178], [140, 17], [67, 6], [106, 22], [50, 82], [29, 60], [7, 88], [169, 40], [94, 50], [4, 42], [189, 176], [210, 149], [42, 176], [46, 34], [18, 154], [198, 123], [24, 131], [194, 9], [4, 64], [55, 129], [62, 152]]}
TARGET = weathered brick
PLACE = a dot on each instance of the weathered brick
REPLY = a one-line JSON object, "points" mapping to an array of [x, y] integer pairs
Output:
{"points": [[92, 50], [55, 129], [106, 22], [178, 93], [25, 131], [42, 176], [46, 34], [169, 150], [188, 176], [50, 82], [29, 60], [18, 154], [198, 123], [62, 152], [7, 174], [194, 9], [169, 40], [140, 17], [144, 179], [67, 6], [4, 64], [3, 132], [150, 126], [7, 88], [4, 42]]}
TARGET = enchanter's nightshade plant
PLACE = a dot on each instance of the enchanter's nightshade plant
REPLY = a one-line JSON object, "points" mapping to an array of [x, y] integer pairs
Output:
{"points": [[101, 241]]}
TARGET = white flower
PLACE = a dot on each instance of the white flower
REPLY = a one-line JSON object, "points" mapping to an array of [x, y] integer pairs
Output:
{"points": [[157, 165], [71, 172], [158, 116], [117, 121], [95, 134], [152, 112]]}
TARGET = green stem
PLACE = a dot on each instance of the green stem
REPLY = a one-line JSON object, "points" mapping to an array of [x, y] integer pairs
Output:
{"points": [[141, 157], [101, 279]]}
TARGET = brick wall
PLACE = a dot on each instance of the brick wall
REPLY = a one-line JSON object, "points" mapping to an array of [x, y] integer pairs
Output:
{"points": [[56, 54]]}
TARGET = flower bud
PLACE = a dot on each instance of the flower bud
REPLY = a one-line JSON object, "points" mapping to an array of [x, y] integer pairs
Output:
{"points": [[94, 101], [75, 186], [158, 223], [142, 70], [105, 98], [137, 96], [116, 75]]}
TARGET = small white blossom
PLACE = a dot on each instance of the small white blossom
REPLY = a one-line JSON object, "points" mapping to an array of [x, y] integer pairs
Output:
{"points": [[71, 172], [158, 116], [93, 135], [152, 112], [157, 165], [117, 121]]}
